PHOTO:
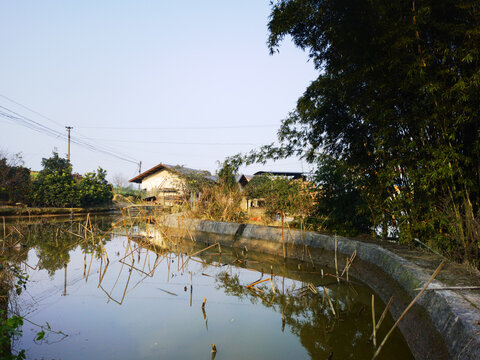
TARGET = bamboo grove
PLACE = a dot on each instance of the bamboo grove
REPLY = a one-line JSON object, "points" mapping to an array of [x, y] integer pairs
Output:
{"points": [[394, 114]]}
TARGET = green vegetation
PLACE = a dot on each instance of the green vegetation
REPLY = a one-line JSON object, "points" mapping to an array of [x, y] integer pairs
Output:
{"points": [[94, 189], [339, 207], [396, 104], [54, 185], [281, 195], [14, 179]]}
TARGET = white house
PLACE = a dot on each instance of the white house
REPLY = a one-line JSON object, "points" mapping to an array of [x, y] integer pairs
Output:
{"points": [[166, 182]]}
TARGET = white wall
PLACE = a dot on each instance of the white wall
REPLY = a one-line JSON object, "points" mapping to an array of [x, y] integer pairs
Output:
{"points": [[162, 180]]}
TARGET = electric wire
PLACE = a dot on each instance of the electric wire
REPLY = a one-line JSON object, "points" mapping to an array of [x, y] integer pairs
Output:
{"points": [[213, 127], [31, 110], [36, 126]]}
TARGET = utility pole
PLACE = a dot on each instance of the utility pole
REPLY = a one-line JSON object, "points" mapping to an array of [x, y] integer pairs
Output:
{"points": [[68, 129], [139, 172]]}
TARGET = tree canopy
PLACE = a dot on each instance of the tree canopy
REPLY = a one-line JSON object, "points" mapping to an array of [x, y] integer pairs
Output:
{"points": [[396, 100], [56, 186]]}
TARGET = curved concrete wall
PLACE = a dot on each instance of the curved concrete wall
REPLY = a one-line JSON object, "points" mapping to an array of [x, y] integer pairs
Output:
{"points": [[456, 319]]}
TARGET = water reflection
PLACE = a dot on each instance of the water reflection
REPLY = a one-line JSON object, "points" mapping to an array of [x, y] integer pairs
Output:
{"points": [[118, 265]]}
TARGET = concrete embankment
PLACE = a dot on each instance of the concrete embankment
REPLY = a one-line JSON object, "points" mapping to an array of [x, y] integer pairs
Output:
{"points": [[444, 324]]}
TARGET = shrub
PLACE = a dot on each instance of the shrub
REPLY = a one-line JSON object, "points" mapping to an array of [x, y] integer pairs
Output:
{"points": [[94, 189]]}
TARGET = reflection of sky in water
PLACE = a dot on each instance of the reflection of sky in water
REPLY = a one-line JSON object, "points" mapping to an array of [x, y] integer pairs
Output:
{"points": [[156, 320]]}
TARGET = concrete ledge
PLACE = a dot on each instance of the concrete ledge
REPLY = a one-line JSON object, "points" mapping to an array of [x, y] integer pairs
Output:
{"points": [[455, 316]]}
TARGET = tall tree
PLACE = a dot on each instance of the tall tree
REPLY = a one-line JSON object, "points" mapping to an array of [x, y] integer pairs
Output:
{"points": [[55, 185], [396, 100]]}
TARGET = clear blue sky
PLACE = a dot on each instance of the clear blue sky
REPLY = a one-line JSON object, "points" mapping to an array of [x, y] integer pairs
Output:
{"points": [[175, 82]]}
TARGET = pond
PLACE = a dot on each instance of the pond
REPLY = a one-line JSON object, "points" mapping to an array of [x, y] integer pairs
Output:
{"points": [[102, 291]]}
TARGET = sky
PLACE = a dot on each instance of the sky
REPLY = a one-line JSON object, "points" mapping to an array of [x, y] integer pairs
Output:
{"points": [[173, 82]]}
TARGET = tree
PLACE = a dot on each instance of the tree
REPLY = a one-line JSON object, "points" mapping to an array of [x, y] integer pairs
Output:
{"points": [[339, 202], [14, 178], [120, 181], [55, 185], [396, 100], [226, 176], [94, 189]]}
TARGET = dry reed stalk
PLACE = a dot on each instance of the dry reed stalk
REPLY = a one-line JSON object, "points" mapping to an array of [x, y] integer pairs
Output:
{"points": [[451, 288], [382, 317], [102, 274], [336, 262], [91, 227], [126, 234], [111, 228], [434, 275], [185, 263], [273, 287], [257, 282], [310, 255], [204, 302], [70, 232], [130, 253], [168, 292], [148, 275], [349, 263], [124, 291], [145, 261], [103, 250], [18, 231], [283, 240], [132, 266], [89, 267], [291, 235], [254, 291], [126, 286], [4, 230], [312, 288], [329, 301], [208, 247], [85, 230], [373, 322], [118, 277]]}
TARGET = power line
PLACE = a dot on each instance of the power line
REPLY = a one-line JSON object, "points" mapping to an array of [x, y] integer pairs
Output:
{"points": [[180, 128], [173, 142], [36, 126], [31, 110]]}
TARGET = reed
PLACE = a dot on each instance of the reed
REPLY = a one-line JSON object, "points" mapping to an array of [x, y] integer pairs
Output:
{"points": [[373, 322], [336, 261], [382, 317], [257, 282], [329, 301], [208, 247], [434, 275]]}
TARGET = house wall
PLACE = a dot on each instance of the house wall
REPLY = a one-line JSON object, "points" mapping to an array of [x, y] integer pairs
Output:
{"points": [[162, 179]]}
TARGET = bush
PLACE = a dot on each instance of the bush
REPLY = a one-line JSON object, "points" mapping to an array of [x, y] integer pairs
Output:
{"points": [[14, 179], [94, 189], [55, 186]]}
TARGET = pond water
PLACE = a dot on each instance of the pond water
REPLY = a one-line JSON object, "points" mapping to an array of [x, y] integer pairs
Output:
{"points": [[117, 297]]}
